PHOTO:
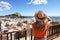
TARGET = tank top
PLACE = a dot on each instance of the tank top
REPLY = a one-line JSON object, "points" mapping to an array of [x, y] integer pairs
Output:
{"points": [[37, 33]]}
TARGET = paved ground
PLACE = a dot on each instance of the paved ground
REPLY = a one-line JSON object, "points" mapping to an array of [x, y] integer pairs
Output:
{"points": [[28, 38], [58, 38]]}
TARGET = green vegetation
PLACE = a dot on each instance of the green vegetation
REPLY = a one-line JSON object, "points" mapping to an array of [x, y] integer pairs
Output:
{"points": [[15, 15]]}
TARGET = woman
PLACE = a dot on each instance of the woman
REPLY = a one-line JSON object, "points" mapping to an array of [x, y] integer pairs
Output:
{"points": [[40, 27]]}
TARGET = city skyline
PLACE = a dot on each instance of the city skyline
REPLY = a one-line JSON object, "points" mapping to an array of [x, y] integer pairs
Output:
{"points": [[29, 7]]}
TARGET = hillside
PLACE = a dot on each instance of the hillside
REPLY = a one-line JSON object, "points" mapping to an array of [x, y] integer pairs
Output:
{"points": [[16, 15]]}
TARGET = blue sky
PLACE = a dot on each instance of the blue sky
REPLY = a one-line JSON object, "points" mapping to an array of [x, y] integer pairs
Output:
{"points": [[29, 7]]}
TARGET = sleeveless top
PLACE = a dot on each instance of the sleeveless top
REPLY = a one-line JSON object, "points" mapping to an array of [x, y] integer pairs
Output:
{"points": [[37, 33]]}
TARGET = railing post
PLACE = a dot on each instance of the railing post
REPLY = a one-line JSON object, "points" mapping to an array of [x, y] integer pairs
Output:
{"points": [[11, 35], [59, 29], [1, 35], [18, 36], [25, 34], [52, 30], [7, 36], [49, 32], [31, 33], [55, 29]]}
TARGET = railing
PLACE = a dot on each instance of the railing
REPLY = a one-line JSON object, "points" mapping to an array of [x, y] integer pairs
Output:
{"points": [[52, 31]]}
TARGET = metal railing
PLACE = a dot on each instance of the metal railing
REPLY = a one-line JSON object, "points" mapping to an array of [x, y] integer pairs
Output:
{"points": [[52, 31]]}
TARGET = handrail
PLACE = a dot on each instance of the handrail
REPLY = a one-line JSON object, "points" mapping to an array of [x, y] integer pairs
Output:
{"points": [[52, 31]]}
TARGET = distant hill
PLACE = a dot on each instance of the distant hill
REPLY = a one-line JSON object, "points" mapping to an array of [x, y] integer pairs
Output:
{"points": [[16, 15]]}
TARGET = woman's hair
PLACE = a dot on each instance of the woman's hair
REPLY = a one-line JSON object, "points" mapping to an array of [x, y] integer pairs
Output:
{"points": [[41, 24]]}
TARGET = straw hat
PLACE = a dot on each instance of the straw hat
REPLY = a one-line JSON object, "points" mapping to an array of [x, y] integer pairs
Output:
{"points": [[39, 15]]}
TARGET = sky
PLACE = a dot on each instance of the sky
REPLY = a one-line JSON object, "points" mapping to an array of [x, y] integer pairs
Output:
{"points": [[29, 7]]}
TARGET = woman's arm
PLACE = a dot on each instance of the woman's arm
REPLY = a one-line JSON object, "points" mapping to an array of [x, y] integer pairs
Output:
{"points": [[46, 16], [49, 19]]}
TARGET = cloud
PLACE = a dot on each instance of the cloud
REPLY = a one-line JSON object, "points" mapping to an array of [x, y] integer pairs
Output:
{"points": [[38, 2], [4, 6]]}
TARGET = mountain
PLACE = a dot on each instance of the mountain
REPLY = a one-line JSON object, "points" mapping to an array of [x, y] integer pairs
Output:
{"points": [[15, 15]]}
